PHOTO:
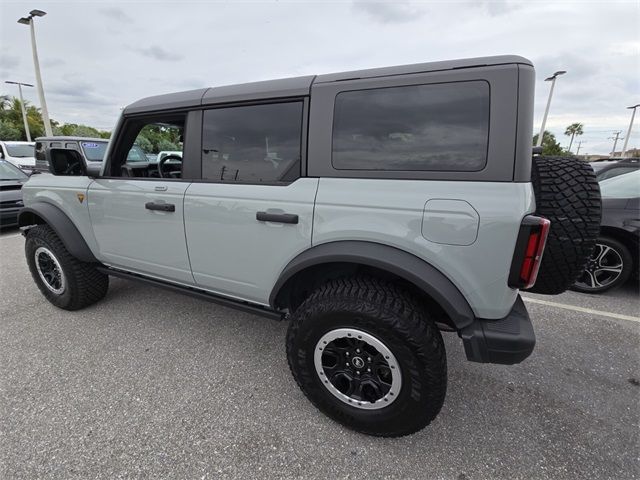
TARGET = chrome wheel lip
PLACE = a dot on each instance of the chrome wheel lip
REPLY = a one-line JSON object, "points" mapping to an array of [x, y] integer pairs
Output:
{"points": [[589, 279], [57, 268], [396, 373]]}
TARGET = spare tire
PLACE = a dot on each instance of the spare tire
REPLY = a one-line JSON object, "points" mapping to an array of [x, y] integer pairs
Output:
{"points": [[567, 193]]}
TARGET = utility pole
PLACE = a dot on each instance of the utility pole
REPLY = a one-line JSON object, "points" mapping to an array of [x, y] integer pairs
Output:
{"points": [[24, 111], [615, 141], [551, 79], [43, 104], [579, 145], [626, 140]]}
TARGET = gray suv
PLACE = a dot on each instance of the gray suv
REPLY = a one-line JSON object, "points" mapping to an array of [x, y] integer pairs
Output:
{"points": [[371, 209]]}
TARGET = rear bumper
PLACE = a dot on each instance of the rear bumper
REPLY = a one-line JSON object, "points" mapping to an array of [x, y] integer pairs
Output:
{"points": [[506, 341]]}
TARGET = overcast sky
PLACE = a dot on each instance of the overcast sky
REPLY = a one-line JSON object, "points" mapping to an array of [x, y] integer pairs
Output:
{"points": [[97, 56]]}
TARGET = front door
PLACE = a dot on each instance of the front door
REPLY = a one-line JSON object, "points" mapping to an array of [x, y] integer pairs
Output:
{"points": [[251, 213], [136, 209]]}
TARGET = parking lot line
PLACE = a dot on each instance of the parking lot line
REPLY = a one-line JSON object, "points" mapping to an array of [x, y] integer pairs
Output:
{"points": [[582, 309]]}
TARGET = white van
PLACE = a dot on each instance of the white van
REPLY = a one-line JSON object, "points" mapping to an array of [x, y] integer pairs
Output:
{"points": [[20, 154]]}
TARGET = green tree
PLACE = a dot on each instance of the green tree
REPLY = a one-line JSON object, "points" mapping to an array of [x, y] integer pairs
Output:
{"points": [[550, 145], [8, 131], [12, 125], [164, 144], [573, 130]]}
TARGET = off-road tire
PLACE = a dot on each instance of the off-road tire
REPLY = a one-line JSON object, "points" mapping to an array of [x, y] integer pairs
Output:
{"points": [[396, 318], [567, 193], [85, 285]]}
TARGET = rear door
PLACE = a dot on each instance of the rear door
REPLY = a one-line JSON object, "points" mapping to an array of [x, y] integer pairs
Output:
{"points": [[136, 211], [252, 211]]}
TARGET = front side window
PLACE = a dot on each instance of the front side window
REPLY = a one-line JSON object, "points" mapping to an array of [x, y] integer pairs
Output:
{"points": [[252, 144], [143, 140], [437, 127]]}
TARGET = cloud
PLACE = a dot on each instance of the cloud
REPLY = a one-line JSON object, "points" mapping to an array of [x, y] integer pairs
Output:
{"points": [[117, 14], [386, 12], [498, 7], [158, 53], [8, 61]]}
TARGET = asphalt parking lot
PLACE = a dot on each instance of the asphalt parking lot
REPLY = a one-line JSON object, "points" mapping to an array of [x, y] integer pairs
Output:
{"points": [[150, 384]]}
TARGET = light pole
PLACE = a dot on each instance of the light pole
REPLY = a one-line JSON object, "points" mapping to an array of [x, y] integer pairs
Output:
{"points": [[29, 21], [552, 79], [24, 111], [626, 139]]}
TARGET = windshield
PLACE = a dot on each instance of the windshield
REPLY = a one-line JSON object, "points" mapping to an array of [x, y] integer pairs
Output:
{"points": [[622, 186], [94, 151], [9, 172], [20, 150], [136, 154]]}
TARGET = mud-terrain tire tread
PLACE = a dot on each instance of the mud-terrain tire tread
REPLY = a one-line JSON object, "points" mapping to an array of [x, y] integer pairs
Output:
{"points": [[85, 284], [567, 193], [376, 306]]}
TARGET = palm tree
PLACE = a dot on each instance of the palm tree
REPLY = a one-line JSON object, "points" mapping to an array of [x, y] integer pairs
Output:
{"points": [[573, 130]]}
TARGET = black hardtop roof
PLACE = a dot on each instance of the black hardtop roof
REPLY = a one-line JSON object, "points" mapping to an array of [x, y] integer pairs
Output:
{"points": [[68, 138], [300, 86]]}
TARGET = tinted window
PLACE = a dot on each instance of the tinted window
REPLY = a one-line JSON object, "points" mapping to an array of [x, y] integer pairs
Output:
{"points": [[419, 127], [257, 143], [614, 172]]}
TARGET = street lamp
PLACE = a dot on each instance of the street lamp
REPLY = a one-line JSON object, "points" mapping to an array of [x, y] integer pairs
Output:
{"points": [[626, 139], [24, 111], [29, 21], [552, 79]]}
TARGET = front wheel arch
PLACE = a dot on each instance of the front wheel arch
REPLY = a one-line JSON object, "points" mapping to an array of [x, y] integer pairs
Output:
{"points": [[41, 213]]}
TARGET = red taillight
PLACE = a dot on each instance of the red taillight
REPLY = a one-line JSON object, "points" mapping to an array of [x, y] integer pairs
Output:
{"points": [[528, 254]]}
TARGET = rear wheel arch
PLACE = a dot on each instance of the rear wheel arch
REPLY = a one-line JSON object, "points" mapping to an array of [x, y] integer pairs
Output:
{"points": [[329, 261], [41, 213]]}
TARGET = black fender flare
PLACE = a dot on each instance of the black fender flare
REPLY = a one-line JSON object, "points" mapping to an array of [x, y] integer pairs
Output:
{"points": [[393, 260], [46, 213]]}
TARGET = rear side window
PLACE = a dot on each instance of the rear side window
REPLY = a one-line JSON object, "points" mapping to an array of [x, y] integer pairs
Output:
{"points": [[436, 127], [252, 144], [94, 151]]}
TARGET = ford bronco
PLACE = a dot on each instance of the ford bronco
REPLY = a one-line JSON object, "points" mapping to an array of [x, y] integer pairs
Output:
{"points": [[371, 209]]}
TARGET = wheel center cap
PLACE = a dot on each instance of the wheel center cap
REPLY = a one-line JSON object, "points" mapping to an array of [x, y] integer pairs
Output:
{"points": [[357, 362]]}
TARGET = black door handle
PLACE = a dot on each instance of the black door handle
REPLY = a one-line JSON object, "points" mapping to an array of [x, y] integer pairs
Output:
{"points": [[277, 217], [163, 207]]}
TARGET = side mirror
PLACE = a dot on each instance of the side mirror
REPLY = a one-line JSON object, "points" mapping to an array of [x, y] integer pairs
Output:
{"points": [[94, 169], [65, 162]]}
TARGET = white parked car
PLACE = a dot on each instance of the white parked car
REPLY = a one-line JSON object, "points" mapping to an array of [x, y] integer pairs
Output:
{"points": [[20, 154]]}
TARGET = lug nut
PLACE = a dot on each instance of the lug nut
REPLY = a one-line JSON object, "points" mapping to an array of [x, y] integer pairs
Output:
{"points": [[358, 372], [347, 354], [357, 350], [368, 369]]}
